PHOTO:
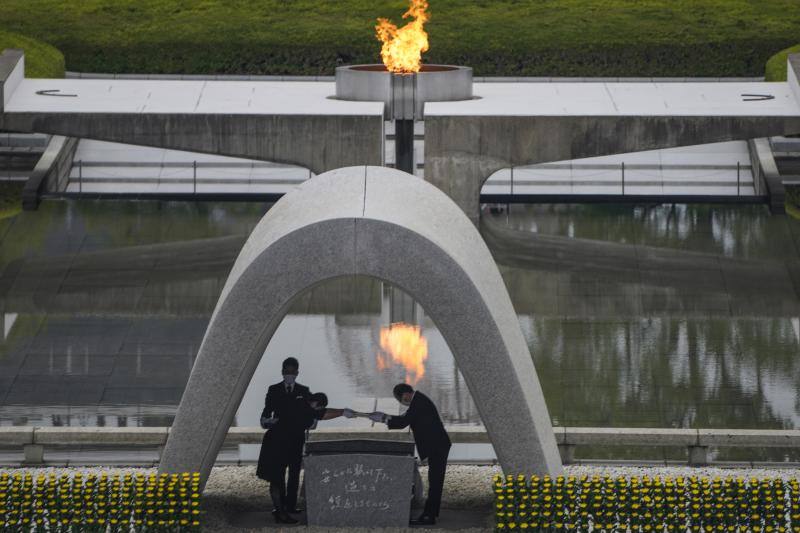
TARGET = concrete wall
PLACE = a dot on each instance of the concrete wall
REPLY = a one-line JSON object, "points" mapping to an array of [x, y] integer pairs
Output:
{"points": [[36, 440], [461, 152], [759, 183], [766, 175], [793, 74], [317, 142], [51, 173], [12, 71]]}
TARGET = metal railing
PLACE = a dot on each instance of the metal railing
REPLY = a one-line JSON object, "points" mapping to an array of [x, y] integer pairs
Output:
{"points": [[698, 442], [624, 184], [194, 180]]}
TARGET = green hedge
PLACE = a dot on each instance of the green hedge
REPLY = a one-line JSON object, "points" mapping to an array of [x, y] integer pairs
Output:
{"points": [[99, 503], [646, 504], [41, 59], [496, 37], [776, 66]]}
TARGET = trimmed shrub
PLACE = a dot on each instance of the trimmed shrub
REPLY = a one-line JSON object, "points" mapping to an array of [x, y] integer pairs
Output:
{"points": [[99, 503], [776, 66], [41, 59], [646, 505], [498, 37]]}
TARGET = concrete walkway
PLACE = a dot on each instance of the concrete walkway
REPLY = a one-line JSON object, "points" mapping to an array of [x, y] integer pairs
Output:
{"points": [[495, 99], [616, 99], [450, 520], [180, 97]]}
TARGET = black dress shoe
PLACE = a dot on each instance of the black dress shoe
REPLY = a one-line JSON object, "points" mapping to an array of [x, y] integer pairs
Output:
{"points": [[294, 510], [423, 520], [282, 517]]}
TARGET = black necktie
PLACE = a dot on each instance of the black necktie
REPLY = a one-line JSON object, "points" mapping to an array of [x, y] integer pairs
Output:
{"points": [[288, 389]]}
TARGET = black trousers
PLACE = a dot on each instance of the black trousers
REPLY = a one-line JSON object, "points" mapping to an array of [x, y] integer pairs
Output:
{"points": [[437, 466], [287, 489]]}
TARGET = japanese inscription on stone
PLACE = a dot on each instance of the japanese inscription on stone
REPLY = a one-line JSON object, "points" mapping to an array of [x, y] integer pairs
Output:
{"points": [[358, 489]]}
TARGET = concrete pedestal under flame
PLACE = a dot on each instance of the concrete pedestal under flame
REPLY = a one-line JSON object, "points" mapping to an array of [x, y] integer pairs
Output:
{"points": [[404, 95]]}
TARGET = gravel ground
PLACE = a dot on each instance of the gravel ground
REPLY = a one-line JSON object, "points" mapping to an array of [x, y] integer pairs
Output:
{"points": [[235, 490]]}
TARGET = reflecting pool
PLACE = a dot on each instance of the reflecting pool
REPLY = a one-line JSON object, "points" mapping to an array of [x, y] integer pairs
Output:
{"points": [[636, 315]]}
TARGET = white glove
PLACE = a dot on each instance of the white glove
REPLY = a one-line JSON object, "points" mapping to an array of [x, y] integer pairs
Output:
{"points": [[348, 413], [268, 422], [377, 416]]}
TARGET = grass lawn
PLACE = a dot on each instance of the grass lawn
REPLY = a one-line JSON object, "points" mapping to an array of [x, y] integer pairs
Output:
{"points": [[41, 59], [496, 37]]}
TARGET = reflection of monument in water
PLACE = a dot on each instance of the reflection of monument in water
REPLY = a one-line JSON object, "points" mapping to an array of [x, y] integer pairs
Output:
{"points": [[750, 336], [357, 336]]}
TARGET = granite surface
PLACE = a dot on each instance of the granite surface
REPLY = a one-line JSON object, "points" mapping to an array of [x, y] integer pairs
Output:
{"points": [[358, 490]]}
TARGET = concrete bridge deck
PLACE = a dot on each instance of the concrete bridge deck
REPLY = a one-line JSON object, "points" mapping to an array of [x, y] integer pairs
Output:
{"points": [[508, 125], [284, 122], [181, 97], [466, 142], [313, 98], [564, 99]]}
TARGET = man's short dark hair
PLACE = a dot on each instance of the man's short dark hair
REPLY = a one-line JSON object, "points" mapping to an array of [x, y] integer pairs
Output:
{"points": [[402, 388], [321, 398], [290, 362]]}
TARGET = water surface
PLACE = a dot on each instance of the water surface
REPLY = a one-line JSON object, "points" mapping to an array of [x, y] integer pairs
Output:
{"points": [[635, 315]]}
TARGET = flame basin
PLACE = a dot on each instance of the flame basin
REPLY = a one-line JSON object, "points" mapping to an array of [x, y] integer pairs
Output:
{"points": [[404, 95]]}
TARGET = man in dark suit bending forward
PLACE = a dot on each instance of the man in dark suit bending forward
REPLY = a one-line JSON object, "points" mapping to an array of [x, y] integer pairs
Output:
{"points": [[431, 439]]}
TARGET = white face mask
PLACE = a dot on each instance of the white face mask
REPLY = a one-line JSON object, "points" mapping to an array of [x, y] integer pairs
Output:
{"points": [[288, 379]]}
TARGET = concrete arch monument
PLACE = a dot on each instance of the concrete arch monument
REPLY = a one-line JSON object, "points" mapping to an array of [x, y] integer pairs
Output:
{"points": [[387, 224]]}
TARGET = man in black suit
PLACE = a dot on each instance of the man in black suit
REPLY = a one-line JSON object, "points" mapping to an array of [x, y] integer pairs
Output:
{"points": [[431, 440], [285, 414]]}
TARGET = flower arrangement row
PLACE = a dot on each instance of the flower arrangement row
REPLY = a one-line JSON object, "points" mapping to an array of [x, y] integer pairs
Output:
{"points": [[646, 504], [99, 503]]}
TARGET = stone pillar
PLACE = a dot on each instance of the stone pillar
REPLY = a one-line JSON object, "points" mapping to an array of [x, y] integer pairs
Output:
{"points": [[12, 71], [404, 145], [454, 162], [793, 74]]}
